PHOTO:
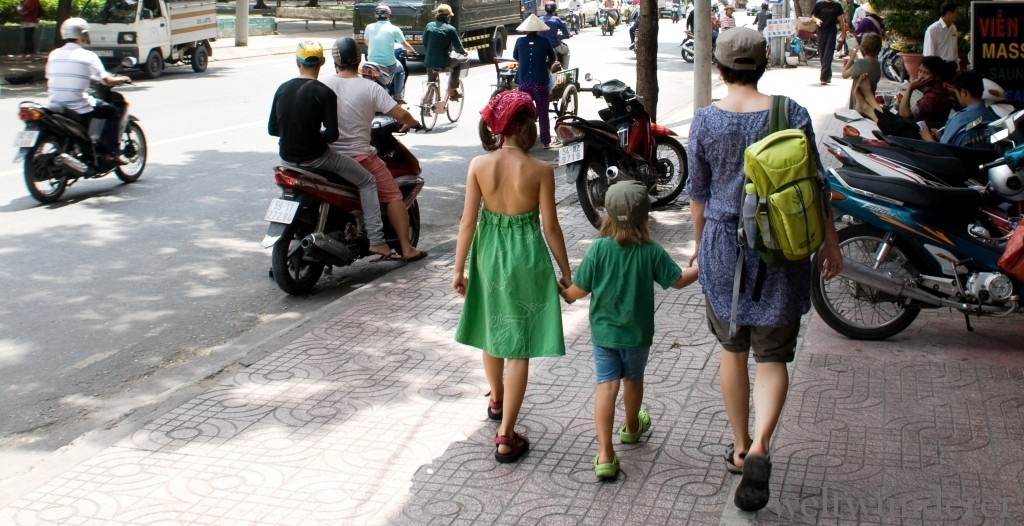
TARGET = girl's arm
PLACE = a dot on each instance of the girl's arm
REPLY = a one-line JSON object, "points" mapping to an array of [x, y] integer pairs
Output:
{"points": [[467, 228], [573, 293], [552, 230], [688, 276]]}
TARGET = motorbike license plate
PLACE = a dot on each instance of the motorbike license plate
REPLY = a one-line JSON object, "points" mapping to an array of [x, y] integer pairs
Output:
{"points": [[26, 138], [570, 153], [281, 211]]}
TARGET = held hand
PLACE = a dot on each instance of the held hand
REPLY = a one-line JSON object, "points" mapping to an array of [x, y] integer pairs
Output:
{"points": [[564, 283], [459, 285]]}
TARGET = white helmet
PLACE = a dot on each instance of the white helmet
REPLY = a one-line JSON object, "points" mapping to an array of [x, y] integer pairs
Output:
{"points": [[73, 28], [1007, 182]]}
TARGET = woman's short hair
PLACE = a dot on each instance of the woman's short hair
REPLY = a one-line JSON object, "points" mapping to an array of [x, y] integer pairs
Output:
{"points": [[743, 77]]}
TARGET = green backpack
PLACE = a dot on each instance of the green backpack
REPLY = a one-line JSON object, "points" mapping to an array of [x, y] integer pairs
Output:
{"points": [[782, 214]]}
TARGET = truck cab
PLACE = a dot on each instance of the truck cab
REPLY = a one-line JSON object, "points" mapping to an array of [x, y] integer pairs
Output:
{"points": [[483, 25], [154, 32]]}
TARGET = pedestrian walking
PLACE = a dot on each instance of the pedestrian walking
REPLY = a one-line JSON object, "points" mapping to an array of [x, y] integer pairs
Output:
{"points": [[768, 309], [535, 56], [511, 312], [30, 11], [619, 269], [827, 14]]}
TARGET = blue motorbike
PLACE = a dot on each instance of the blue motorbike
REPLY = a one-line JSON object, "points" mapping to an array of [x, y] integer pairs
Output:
{"points": [[910, 244]]}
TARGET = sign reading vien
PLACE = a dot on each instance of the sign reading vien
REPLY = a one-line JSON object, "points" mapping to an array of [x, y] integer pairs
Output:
{"points": [[997, 45]]}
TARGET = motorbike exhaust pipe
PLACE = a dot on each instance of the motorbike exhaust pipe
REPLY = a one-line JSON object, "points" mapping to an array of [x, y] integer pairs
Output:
{"points": [[319, 245], [74, 164], [877, 279]]}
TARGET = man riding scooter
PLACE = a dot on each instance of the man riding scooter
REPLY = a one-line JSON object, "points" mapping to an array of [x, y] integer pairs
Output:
{"points": [[556, 26], [381, 38]]}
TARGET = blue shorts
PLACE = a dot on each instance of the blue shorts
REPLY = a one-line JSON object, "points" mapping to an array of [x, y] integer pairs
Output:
{"points": [[612, 364]]}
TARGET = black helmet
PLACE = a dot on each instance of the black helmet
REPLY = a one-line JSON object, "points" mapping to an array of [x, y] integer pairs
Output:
{"points": [[346, 53], [550, 7], [382, 12]]}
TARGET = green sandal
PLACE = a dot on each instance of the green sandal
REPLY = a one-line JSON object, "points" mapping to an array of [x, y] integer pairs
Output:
{"points": [[608, 469], [645, 425]]}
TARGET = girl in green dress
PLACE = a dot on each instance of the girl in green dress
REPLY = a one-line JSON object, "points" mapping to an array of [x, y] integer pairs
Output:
{"points": [[511, 311]]}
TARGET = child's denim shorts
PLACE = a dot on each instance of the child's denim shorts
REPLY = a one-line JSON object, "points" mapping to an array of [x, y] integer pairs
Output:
{"points": [[613, 364]]}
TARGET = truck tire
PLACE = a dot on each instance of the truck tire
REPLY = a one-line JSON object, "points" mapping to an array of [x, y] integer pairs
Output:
{"points": [[486, 54], [200, 59], [154, 64]]}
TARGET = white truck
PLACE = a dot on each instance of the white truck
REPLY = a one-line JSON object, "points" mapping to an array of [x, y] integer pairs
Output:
{"points": [[155, 32]]}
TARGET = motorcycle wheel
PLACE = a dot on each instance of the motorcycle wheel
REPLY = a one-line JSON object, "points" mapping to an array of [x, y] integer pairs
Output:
{"points": [[294, 273], [45, 180], [569, 104], [428, 117], [687, 55], [859, 312], [670, 158], [455, 107], [134, 149], [591, 186]]}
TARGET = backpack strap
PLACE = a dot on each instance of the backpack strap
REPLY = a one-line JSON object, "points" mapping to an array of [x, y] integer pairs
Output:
{"points": [[778, 114]]}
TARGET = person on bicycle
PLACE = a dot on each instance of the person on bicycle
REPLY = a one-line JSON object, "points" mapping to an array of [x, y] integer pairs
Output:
{"points": [[381, 38], [556, 26], [300, 107], [535, 57], [439, 38]]}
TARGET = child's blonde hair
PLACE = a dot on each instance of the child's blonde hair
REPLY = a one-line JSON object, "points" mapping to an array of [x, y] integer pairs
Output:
{"points": [[628, 235]]}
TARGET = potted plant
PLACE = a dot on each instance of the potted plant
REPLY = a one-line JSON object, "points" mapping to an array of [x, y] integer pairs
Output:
{"points": [[907, 20]]}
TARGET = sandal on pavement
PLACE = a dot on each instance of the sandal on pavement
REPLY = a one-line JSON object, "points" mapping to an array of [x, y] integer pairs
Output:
{"points": [[752, 493], [730, 465], [493, 406], [608, 469], [645, 425], [519, 444]]}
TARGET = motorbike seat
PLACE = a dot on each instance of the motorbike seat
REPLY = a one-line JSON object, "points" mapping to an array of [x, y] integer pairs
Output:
{"points": [[71, 114], [944, 169], [944, 198], [969, 156]]}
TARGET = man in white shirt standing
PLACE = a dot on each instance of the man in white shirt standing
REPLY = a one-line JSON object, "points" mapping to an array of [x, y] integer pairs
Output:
{"points": [[940, 38], [69, 71], [381, 38], [359, 99]]}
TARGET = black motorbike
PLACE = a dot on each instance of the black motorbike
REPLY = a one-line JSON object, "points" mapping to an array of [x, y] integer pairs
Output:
{"points": [[573, 21], [59, 146]]}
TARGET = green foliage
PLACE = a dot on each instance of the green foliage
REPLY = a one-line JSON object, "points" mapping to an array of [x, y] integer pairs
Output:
{"points": [[9, 9], [909, 19]]}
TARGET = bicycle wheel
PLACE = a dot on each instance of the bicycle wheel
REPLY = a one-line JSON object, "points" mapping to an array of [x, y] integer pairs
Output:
{"points": [[569, 104], [455, 106], [428, 117]]}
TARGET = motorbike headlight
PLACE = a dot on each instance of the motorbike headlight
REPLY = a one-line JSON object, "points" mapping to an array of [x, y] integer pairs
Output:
{"points": [[126, 38]]}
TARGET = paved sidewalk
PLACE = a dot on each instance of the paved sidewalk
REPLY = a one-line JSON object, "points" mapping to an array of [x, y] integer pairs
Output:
{"points": [[378, 417]]}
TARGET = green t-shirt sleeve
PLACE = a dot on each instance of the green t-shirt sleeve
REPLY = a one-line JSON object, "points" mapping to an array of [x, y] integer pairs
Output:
{"points": [[666, 271], [584, 275]]}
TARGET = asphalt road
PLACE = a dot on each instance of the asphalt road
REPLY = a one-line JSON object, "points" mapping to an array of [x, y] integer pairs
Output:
{"points": [[119, 295]]}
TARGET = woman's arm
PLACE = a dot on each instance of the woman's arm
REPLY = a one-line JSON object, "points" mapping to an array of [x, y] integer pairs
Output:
{"points": [[467, 228], [552, 230], [697, 218]]}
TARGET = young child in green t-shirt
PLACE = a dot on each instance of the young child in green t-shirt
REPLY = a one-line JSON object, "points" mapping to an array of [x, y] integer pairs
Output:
{"points": [[619, 269]]}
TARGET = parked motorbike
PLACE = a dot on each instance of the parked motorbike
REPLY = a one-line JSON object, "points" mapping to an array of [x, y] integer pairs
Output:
{"points": [[624, 145], [59, 146], [573, 21], [808, 46], [317, 223], [687, 48], [892, 63], [607, 21], [909, 245]]}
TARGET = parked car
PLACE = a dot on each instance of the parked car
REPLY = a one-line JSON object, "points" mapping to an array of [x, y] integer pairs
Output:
{"points": [[752, 9]]}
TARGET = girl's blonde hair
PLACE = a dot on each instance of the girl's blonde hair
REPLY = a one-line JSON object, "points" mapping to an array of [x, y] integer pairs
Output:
{"points": [[526, 136], [625, 235]]}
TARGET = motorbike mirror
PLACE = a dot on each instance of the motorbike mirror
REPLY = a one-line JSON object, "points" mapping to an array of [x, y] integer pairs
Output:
{"points": [[129, 62]]}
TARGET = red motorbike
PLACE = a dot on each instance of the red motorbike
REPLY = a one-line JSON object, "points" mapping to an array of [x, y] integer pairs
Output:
{"points": [[316, 224], [624, 145]]}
